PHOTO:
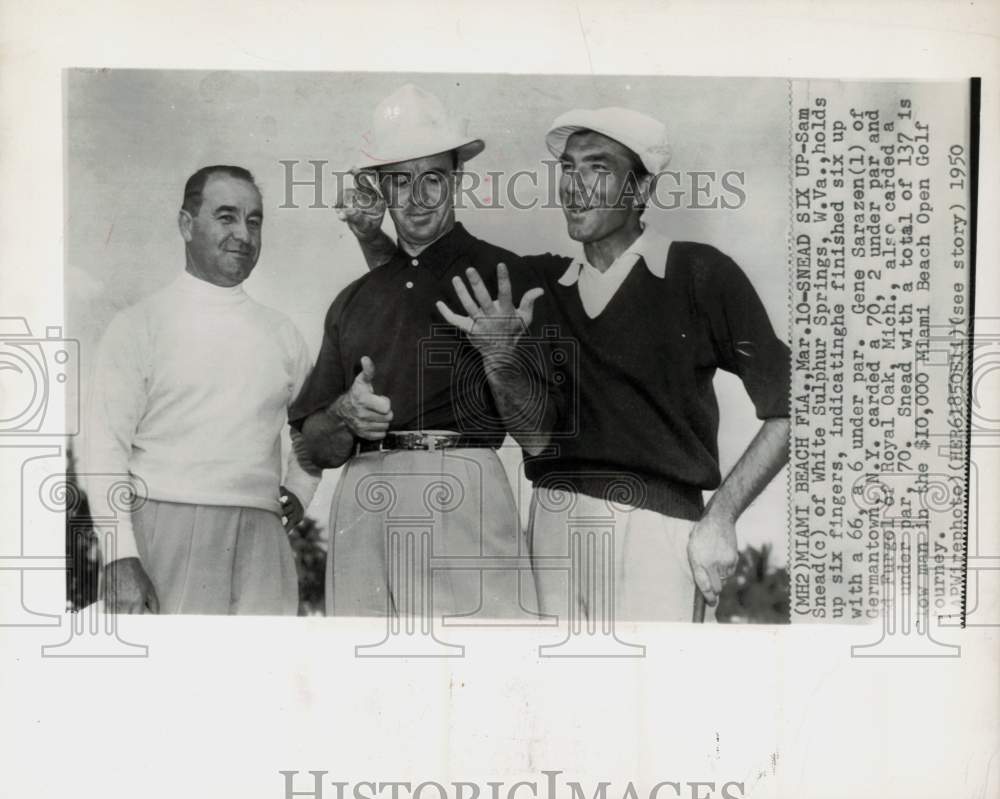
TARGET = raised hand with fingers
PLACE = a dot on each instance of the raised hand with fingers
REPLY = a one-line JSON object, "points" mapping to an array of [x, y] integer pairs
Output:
{"points": [[366, 414], [491, 325]]}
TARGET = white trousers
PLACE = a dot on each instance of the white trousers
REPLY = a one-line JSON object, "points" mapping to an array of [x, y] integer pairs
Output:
{"points": [[217, 560], [598, 560]]}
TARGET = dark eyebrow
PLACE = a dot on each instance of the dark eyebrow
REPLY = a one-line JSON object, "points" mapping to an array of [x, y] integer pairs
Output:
{"points": [[225, 209]]}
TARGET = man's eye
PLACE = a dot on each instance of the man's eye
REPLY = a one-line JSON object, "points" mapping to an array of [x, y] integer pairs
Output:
{"points": [[227, 218], [254, 223]]}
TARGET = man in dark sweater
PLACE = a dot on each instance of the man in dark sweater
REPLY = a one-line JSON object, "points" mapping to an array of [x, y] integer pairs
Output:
{"points": [[653, 320]]}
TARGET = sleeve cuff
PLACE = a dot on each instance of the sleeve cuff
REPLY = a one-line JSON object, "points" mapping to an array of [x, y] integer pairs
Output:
{"points": [[116, 541]]}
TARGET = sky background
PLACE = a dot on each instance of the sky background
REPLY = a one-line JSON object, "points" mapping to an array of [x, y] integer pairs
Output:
{"points": [[132, 137]]}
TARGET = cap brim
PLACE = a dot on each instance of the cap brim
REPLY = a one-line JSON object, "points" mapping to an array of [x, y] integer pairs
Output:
{"points": [[467, 149], [556, 138]]}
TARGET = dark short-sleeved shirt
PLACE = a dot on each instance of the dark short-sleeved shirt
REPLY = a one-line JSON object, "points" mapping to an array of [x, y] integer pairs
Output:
{"points": [[641, 384], [432, 375]]}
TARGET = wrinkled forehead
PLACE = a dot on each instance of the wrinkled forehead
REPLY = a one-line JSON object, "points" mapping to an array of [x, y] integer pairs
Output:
{"points": [[590, 144], [225, 190]]}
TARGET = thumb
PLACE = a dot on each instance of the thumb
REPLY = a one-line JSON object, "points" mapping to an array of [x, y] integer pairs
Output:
{"points": [[367, 373], [526, 309], [528, 300]]}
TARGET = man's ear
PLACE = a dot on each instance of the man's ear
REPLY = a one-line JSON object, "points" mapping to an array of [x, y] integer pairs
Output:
{"points": [[184, 222]]}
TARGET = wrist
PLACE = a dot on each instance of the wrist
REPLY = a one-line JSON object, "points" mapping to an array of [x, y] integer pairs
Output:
{"points": [[722, 511]]}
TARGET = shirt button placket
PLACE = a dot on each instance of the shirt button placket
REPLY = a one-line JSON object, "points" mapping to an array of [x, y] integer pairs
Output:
{"points": [[409, 283]]}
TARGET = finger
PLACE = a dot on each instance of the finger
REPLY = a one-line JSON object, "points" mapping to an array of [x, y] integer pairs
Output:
{"points": [[372, 435], [713, 576], [464, 297], [704, 583], [376, 403], [344, 199], [366, 417], [452, 318], [504, 296], [367, 373], [479, 289], [366, 183], [526, 308]]}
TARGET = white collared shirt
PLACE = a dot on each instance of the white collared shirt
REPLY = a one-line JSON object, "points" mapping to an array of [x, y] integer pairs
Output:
{"points": [[597, 288]]}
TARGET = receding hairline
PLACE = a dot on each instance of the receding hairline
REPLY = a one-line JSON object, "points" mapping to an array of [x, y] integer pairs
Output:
{"points": [[220, 175], [194, 186]]}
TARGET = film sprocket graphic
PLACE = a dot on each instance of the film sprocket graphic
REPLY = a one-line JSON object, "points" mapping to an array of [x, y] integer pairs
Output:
{"points": [[35, 373], [547, 364]]}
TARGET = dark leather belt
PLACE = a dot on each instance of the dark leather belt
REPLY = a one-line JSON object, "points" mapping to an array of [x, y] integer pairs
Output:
{"points": [[425, 440]]}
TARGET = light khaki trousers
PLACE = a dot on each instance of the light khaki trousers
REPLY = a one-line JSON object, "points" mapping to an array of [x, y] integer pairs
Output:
{"points": [[216, 560], [601, 561]]}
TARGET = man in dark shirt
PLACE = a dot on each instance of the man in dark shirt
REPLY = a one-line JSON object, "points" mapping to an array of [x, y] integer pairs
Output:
{"points": [[405, 401], [653, 320]]}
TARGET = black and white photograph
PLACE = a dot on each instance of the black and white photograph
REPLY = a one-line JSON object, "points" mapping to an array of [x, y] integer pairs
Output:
{"points": [[489, 311], [563, 400]]}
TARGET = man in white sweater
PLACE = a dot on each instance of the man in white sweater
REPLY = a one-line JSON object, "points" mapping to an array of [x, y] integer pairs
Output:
{"points": [[190, 393]]}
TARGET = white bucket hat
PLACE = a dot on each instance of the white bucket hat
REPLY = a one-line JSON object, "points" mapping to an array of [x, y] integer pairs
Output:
{"points": [[412, 123], [643, 135]]}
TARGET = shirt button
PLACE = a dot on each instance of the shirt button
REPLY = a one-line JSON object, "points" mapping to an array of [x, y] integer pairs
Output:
{"points": [[409, 284], [415, 262]]}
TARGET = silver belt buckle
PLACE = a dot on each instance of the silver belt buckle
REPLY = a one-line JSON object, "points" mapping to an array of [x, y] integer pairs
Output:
{"points": [[434, 441]]}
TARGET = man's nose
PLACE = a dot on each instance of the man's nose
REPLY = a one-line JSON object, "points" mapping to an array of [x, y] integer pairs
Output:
{"points": [[426, 196], [241, 232], [571, 187]]}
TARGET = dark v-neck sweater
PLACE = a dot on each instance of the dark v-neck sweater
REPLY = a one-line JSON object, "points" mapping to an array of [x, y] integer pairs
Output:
{"points": [[639, 418]]}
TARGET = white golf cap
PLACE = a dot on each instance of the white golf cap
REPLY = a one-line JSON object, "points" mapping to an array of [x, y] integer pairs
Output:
{"points": [[413, 123], [643, 135]]}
